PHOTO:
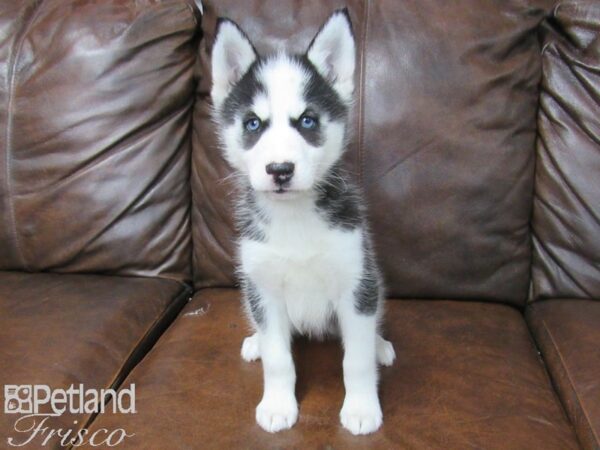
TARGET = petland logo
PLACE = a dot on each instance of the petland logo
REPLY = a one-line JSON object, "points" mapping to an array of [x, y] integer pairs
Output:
{"points": [[37, 403]]}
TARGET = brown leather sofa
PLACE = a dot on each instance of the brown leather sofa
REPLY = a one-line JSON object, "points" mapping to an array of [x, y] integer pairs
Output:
{"points": [[476, 139]]}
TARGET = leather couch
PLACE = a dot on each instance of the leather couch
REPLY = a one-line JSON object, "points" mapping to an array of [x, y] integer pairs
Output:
{"points": [[476, 138]]}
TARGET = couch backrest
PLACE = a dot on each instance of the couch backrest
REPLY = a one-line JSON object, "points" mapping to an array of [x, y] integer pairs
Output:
{"points": [[566, 214], [444, 135], [95, 106]]}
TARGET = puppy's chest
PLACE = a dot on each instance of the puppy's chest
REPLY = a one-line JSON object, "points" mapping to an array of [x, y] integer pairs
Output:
{"points": [[303, 259]]}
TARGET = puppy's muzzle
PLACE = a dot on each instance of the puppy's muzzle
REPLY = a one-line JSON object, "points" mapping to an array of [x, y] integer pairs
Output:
{"points": [[282, 172]]}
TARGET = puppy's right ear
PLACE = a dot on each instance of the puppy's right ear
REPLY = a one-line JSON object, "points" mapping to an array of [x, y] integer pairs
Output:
{"points": [[232, 56]]}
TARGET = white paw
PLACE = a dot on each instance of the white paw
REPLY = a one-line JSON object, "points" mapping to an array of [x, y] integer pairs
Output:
{"points": [[385, 352], [361, 415], [250, 348], [277, 411]]}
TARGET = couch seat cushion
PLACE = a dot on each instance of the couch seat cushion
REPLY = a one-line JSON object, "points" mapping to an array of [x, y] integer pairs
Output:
{"points": [[58, 330], [467, 376], [568, 334]]}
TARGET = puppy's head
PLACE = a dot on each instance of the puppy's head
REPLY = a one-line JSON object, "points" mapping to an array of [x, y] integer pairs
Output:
{"points": [[282, 118]]}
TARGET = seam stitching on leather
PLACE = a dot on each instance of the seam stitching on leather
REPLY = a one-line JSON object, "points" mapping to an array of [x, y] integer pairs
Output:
{"points": [[11, 77], [361, 115], [568, 374], [533, 292]]}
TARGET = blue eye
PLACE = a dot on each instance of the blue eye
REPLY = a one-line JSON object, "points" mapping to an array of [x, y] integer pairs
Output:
{"points": [[308, 122], [253, 124]]}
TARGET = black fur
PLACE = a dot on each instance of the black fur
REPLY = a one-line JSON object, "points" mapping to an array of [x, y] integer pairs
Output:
{"points": [[367, 293], [250, 138], [338, 200], [242, 96], [320, 95], [250, 220], [313, 136]]}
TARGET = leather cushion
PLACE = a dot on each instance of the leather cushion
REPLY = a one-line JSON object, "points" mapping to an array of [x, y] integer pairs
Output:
{"points": [[467, 376], [568, 333], [566, 219], [58, 330], [95, 109]]}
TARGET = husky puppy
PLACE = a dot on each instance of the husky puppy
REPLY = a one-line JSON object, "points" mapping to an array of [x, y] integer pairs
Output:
{"points": [[306, 263]]}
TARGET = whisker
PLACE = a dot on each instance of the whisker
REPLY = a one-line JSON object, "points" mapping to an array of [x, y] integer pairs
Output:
{"points": [[232, 176]]}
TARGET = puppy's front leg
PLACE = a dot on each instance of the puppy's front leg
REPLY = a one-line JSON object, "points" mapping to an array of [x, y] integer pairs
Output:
{"points": [[278, 408], [361, 412]]}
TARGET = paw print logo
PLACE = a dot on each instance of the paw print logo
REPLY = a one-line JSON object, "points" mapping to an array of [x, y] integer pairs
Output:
{"points": [[17, 399]]}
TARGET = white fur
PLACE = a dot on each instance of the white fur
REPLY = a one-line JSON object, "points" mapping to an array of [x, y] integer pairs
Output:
{"points": [[333, 54], [278, 408], [232, 55], [304, 263], [384, 350], [305, 271], [361, 413], [251, 348]]}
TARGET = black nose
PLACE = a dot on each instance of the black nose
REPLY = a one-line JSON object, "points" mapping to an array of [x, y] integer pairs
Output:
{"points": [[282, 172]]}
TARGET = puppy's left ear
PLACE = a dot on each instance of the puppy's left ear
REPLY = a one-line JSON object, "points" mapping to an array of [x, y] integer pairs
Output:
{"points": [[333, 53]]}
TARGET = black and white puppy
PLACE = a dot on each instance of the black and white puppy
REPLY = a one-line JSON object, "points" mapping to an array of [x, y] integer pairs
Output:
{"points": [[306, 263]]}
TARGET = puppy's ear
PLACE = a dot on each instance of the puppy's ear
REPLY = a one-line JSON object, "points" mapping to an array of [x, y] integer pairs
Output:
{"points": [[333, 53], [232, 56]]}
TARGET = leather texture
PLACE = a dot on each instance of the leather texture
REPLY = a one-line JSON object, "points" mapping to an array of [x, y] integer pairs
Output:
{"points": [[96, 102], [62, 329], [566, 208], [568, 333], [443, 144], [467, 376]]}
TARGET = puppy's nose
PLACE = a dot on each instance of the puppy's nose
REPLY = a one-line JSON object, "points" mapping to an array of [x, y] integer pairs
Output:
{"points": [[282, 172]]}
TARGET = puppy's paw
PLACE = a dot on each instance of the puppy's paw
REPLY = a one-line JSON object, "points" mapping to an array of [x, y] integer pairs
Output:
{"points": [[385, 352], [250, 348], [276, 412], [361, 415]]}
